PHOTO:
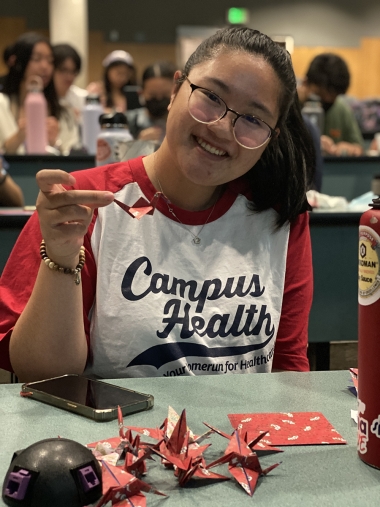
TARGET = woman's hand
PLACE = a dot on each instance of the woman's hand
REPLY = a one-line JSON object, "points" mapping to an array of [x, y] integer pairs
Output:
{"points": [[65, 215], [52, 130], [327, 145], [348, 149], [12, 144]]}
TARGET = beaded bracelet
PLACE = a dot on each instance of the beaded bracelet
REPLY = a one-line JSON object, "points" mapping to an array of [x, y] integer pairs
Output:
{"points": [[66, 271]]}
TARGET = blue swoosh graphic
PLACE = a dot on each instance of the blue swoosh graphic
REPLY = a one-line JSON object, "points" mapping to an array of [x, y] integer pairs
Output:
{"points": [[159, 355]]}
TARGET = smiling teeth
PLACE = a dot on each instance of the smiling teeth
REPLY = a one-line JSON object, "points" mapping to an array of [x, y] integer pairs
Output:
{"points": [[209, 148]]}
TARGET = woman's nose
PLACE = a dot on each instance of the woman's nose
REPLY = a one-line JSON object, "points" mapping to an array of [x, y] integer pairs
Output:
{"points": [[224, 125]]}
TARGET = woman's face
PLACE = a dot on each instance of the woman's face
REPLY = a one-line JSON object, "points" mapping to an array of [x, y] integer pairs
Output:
{"points": [[157, 88], [41, 63], [157, 92], [248, 85], [119, 75], [64, 76]]}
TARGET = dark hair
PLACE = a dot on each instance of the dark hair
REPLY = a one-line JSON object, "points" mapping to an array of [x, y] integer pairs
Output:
{"points": [[107, 82], [7, 53], [159, 69], [284, 172], [63, 51], [23, 49], [330, 71]]}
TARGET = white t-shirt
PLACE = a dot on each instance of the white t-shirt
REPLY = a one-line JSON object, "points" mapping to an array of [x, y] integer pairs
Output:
{"points": [[156, 304]]}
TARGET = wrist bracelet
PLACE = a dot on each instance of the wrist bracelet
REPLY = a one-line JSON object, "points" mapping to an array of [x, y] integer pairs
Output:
{"points": [[66, 271]]}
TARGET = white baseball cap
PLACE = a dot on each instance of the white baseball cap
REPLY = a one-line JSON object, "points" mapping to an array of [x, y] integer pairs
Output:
{"points": [[118, 56]]}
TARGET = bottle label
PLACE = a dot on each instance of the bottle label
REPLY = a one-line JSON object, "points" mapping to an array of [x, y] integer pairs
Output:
{"points": [[369, 275], [103, 151]]}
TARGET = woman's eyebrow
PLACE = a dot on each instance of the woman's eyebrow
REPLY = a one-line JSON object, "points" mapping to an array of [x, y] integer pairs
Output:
{"points": [[254, 103]]}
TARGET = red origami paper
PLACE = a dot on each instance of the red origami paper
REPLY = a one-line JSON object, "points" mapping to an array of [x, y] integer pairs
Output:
{"points": [[141, 207], [243, 463], [186, 458], [289, 428], [355, 379], [257, 444], [122, 488]]}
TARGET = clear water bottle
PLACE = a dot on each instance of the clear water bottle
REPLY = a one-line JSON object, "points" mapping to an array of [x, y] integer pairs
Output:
{"points": [[35, 107], [314, 111], [90, 123], [112, 143]]}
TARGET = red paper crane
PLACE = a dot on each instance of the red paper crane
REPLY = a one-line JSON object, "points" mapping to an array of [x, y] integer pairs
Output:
{"points": [[187, 459], [243, 463], [141, 207], [121, 488], [257, 443]]}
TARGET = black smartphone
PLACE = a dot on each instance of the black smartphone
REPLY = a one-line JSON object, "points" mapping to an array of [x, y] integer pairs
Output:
{"points": [[91, 398]]}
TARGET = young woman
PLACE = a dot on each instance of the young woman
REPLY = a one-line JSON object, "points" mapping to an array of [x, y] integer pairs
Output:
{"points": [[32, 56], [149, 122], [119, 72], [68, 64], [216, 278]]}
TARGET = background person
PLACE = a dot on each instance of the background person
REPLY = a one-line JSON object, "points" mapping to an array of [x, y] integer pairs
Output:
{"points": [[8, 59], [328, 77], [119, 71], [10, 193], [68, 64], [219, 275], [149, 122], [33, 56]]}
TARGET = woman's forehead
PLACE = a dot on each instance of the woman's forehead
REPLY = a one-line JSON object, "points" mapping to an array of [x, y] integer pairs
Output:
{"points": [[230, 62], [240, 75], [42, 47]]}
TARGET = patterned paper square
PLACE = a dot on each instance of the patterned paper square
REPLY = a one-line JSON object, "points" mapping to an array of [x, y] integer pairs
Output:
{"points": [[289, 428]]}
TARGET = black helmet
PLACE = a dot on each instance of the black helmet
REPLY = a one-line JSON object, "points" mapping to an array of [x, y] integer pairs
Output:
{"points": [[54, 472]]}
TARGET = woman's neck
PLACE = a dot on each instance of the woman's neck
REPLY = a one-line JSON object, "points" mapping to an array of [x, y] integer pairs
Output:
{"points": [[179, 190]]}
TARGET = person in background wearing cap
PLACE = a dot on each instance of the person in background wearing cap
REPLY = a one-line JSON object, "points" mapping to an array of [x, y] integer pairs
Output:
{"points": [[149, 123], [119, 72]]}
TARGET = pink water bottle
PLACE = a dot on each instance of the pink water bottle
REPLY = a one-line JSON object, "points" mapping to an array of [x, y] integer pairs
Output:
{"points": [[35, 115]]}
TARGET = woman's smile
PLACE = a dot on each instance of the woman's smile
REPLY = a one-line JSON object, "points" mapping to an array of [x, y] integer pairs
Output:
{"points": [[210, 148]]}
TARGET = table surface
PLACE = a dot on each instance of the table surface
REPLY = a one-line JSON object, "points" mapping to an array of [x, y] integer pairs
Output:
{"points": [[309, 475]]}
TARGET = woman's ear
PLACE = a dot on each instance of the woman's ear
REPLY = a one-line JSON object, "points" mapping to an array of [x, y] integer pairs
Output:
{"points": [[176, 87]]}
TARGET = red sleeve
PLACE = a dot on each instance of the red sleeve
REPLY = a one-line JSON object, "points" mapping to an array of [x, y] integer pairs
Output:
{"points": [[290, 351], [20, 272], [17, 282]]}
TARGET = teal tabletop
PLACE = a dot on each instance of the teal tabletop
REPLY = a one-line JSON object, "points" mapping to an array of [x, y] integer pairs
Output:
{"points": [[313, 475]]}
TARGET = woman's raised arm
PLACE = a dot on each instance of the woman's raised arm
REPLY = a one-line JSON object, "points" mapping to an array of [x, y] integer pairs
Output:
{"points": [[49, 337]]}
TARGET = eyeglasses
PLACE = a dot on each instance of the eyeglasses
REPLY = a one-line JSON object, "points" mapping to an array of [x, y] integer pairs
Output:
{"points": [[207, 107]]}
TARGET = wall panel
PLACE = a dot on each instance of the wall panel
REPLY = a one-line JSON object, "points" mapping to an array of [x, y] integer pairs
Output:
{"points": [[363, 61]]}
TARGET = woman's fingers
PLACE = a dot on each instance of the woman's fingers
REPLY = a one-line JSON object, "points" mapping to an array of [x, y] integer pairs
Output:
{"points": [[65, 215], [51, 181], [47, 178], [70, 214], [90, 198]]}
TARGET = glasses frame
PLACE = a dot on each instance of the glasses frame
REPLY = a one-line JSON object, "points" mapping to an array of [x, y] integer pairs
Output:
{"points": [[272, 132]]}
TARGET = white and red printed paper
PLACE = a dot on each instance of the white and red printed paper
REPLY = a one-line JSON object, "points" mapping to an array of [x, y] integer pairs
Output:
{"points": [[289, 428]]}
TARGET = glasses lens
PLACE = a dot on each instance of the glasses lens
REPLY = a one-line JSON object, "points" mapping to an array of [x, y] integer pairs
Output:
{"points": [[251, 132], [205, 106]]}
